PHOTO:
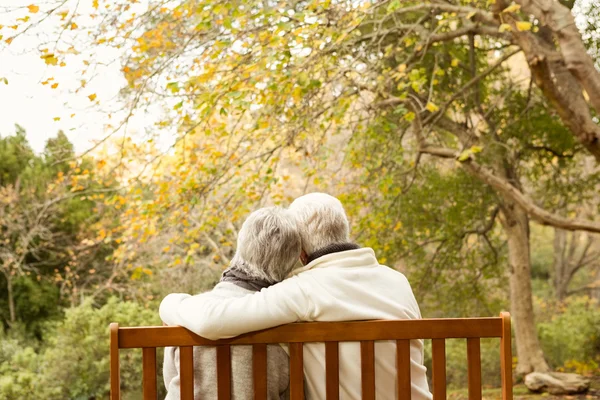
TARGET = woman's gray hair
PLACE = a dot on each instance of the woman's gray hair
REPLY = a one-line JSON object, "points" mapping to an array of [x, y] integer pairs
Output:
{"points": [[268, 245], [321, 220]]}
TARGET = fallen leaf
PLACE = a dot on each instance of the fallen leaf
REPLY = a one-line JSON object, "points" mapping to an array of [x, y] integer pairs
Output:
{"points": [[33, 8], [92, 97]]}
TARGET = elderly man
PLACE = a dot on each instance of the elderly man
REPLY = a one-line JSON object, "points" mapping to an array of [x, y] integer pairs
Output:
{"points": [[268, 247], [339, 282]]}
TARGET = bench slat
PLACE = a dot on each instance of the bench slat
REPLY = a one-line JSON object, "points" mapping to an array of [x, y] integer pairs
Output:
{"points": [[296, 371], [186, 372], [162, 336], [438, 350], [367, 361], [259, 371], [115, 374], [506, 357], [403, 368], [474, 368], [224, 372], [332, 370], [149, 373]]}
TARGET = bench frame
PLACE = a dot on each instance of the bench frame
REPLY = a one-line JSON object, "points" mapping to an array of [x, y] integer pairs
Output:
{"points": [[365, 332]]}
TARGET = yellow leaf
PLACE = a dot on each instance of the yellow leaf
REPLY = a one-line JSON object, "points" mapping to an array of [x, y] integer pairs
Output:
{"points": [[166, 249], [72, 115], [95, 4], [54, 85], [62, 64], [431, 107], [49, 59], [9, 40], [92, 97], [471, 15], [512, 8], [56, 118], [505, 28], [523, 25], [74, 26], [454, 62], [33, 8]]}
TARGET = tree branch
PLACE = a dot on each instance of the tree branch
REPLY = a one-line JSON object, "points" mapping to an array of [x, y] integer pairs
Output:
{"points": [[536, 213], [560, 20]]}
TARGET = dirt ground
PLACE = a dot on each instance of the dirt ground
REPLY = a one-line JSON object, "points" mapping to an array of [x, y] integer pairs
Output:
{"points": [[520, 392]]}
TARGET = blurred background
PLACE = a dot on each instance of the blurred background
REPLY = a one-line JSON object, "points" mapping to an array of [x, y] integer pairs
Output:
{"points": [[462, 136]]}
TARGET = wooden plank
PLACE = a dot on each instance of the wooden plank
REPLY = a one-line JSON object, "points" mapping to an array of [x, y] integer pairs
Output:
{"points": [[186, 372], [259, 371], [367, 371], [474, 368], [224, 372], [115, 375], [163, 336], [403, 369], [438, 350], [506, 357], [149, 373], [332, 371], [296, 372]]}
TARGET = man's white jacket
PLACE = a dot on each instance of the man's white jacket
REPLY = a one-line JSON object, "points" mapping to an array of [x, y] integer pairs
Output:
{"points": [[344, 286]]}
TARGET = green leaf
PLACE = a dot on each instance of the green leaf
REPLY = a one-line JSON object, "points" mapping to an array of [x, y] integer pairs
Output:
{"points": [[173, 87]]}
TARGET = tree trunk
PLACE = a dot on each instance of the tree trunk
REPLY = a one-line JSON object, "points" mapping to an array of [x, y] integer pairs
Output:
{"points": [[560, 265], [11, 299], [529, 352]]}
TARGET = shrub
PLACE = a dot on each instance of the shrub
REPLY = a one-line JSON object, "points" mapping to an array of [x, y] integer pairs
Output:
{"points": [[77, 356], [74, 363], [570, 335]]}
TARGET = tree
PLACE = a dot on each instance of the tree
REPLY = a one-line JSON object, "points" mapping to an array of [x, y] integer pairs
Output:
{"points": [[45, 208], [250, 84]]}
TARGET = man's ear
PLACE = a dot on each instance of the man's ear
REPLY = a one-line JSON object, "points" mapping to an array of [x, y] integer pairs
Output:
{"points": [[303, 257]]}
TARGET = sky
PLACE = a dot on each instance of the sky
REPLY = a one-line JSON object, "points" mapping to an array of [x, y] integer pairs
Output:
{"points": [[43, 111]]}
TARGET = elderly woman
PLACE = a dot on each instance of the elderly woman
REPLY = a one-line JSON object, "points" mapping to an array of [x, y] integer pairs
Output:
{"points": [[268, 246]]}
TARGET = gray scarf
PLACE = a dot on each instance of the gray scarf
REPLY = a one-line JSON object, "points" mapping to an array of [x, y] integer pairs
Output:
{"points": [[236, 275]]}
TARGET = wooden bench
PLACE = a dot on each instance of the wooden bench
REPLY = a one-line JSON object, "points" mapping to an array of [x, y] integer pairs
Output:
{"points": [[365, 332]]}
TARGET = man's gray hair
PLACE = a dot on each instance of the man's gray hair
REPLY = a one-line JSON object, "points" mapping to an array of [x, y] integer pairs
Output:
{"points": [[268, 245], [321, 220]]}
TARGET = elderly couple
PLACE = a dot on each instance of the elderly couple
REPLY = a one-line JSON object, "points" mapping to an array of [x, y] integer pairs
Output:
{"points": [[339, 281]]}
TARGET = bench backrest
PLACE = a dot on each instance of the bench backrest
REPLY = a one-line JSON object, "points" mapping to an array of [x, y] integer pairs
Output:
{"points": [[365, 332]]}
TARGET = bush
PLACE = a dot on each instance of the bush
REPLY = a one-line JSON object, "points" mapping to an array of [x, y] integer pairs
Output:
{"points": [[74, 363], [570, 335], [19, 372]]}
